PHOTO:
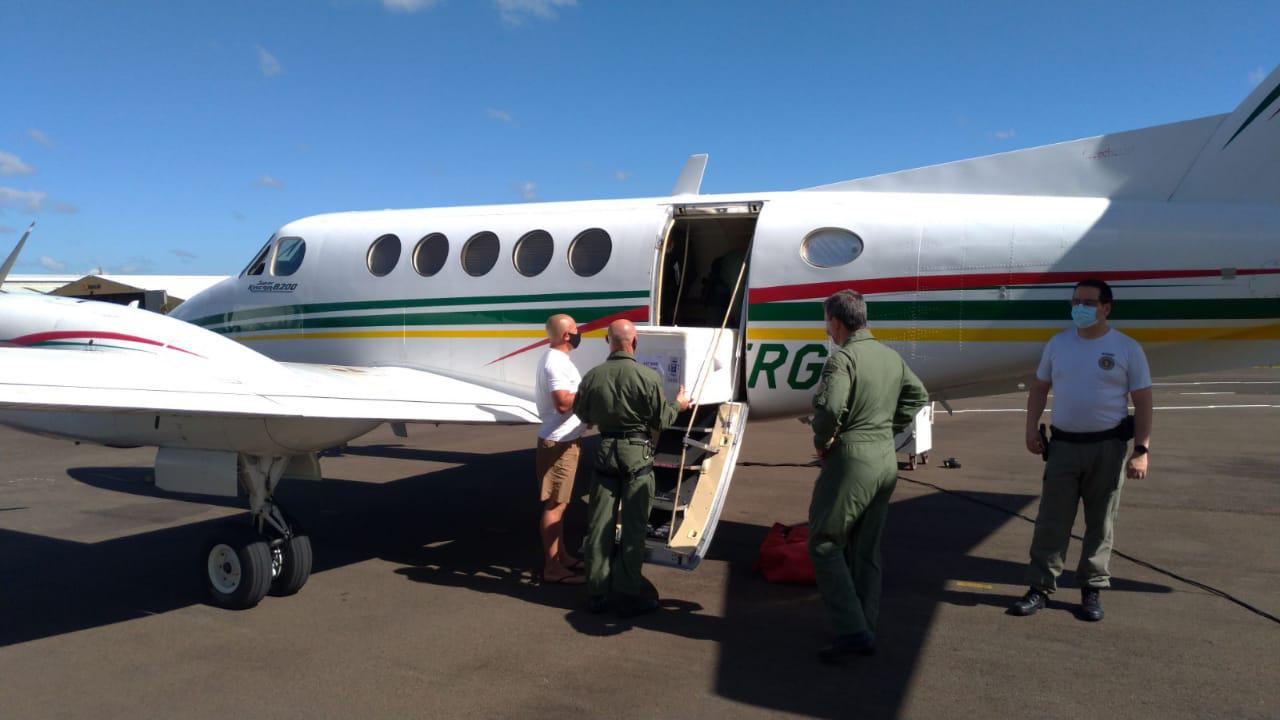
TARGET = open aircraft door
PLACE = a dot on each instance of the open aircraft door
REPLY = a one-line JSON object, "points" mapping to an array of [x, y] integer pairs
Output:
{"points": [[699, 288]]}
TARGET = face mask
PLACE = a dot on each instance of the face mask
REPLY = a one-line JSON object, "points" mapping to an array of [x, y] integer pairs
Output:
{"points": [[1084, 316], [575, 339]]}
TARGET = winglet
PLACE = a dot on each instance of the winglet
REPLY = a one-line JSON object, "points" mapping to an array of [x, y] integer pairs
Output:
{"points": [[13, 256], [690, 180]]}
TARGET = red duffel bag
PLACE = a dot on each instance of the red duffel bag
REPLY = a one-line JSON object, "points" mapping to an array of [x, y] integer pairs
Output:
{"points": [[784, 555]]}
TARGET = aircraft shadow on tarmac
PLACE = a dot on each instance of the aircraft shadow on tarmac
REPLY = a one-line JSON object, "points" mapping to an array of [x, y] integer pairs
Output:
{"points": [[474, 526]]}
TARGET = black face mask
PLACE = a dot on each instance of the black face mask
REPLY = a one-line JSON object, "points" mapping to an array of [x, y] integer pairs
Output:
{"points": [[575, 339]]}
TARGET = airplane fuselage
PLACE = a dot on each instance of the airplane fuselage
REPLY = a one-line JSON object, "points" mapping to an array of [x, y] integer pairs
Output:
{"points": [[966, 287]]}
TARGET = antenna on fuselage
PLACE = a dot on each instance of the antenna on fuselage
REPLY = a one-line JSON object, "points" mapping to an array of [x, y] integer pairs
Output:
{"points": [[13, 256], [690, 180]]}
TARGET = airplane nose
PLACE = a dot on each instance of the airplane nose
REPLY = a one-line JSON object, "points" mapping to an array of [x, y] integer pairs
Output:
{"points": [[210, 301]]}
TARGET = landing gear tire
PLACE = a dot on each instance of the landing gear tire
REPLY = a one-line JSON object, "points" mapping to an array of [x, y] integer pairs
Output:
{"points": [[291, 565], [237, 569]]}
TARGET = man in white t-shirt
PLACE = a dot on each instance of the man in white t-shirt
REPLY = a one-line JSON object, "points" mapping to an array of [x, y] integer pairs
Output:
{"points": [[559, 442], [1093, 370]]}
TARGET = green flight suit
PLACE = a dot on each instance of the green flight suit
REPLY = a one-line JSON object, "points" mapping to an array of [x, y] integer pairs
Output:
{"points": [[867, 395], [624, 400]]}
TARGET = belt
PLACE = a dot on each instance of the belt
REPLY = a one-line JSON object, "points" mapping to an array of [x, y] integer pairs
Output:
{"points": [[1121, 432], [624, 435]]}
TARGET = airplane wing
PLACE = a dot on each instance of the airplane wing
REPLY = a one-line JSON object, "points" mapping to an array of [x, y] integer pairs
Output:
{"points": [[101, 381]]}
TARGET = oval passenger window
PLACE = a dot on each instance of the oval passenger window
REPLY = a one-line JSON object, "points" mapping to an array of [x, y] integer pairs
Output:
{"points": [[830, 247], [430, 254], [480, 253], [289, 256], [590, 251], [533, 252], [383, 255]]}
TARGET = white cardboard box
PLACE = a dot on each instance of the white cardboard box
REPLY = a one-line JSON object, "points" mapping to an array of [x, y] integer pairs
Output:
{"points": [[678, 354]]}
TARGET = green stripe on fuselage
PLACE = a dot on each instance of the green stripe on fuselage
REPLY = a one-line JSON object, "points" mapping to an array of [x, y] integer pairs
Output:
{"points": [[995, 310], [289, 311], [513, 316]]}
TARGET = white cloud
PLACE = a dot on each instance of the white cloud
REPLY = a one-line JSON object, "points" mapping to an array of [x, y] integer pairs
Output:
{"points": [[621, 175], [268, 181], [499, 115], [65, 208], [270, 65], [528, 190], [515, 12], [12, 165], [1257, 75], [40, 137], [185, 255], [28, 200], [1005, 134], [409, 6], [52, 265]]}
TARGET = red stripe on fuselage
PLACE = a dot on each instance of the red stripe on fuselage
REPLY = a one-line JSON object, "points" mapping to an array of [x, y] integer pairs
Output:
{"points": [[876, 286], [639, 314], [35, 338]]}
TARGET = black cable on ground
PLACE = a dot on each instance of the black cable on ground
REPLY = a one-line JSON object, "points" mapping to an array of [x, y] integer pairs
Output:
{"points": [[1150, 566]]}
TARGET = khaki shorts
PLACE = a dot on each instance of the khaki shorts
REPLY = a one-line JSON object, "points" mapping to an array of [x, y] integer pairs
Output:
{"points": [[556, 464]]}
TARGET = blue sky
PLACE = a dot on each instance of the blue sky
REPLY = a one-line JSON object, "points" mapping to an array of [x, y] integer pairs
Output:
{"points": [[163, 137]]}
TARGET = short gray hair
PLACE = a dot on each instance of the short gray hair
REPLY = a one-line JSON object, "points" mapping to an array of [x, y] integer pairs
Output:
{"points": [[848, 307]]}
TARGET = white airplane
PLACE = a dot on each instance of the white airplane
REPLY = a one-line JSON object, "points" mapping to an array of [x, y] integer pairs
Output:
{"points": [[344, 321]]}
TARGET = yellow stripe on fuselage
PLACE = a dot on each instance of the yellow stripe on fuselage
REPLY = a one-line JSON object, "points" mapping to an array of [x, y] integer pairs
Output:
{"points": [[943, 334]]}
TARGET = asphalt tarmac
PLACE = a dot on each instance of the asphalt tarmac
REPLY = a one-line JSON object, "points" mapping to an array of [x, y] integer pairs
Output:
{"points": [[424, 602]]}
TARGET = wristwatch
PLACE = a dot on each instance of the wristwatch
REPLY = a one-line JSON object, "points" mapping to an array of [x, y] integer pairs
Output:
{"points": [[1140, 450]]}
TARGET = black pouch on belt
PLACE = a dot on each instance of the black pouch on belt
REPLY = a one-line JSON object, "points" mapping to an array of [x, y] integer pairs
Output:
{"points": [[1125, 429]]}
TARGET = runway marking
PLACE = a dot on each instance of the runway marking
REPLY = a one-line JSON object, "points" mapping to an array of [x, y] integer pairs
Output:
{"points": [[1216, 392], [972, 585], [1223, 382], [1158, 407], [1212, 407]]}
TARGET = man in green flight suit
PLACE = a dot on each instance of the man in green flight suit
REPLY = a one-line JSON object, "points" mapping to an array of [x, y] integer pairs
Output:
{"points": [[624, 400], [867, 395]]}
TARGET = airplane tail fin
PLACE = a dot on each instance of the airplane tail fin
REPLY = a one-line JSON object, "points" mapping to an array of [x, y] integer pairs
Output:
{"points": [[1222, 158], [13, 256], [1241, 161]]}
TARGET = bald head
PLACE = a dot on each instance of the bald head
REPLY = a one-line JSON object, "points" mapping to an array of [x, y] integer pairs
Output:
{"points": [[560, 330], [622, 336]]}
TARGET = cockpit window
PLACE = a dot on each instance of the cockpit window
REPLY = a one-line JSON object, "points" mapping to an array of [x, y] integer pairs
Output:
{"points": [[289, 254], [259, 263]]}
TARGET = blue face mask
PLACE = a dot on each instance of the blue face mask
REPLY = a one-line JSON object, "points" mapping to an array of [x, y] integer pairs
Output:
{"points": [[1084, 316]]}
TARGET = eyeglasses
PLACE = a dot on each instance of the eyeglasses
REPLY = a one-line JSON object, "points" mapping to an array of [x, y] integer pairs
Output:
{"points": [[1086, 303]]}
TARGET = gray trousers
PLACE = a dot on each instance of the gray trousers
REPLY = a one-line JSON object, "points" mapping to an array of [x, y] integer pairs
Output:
{"points": [[1075, 472]]}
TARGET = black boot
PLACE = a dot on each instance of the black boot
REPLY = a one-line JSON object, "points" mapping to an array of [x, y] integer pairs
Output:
{"points": [[861, 643], [630, 606], [1090, 604], [1029, 603]]}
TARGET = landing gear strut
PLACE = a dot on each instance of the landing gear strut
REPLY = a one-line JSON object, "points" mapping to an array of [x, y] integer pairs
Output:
{"points": [[242, 564]]}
